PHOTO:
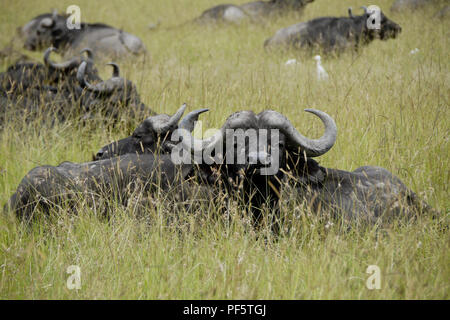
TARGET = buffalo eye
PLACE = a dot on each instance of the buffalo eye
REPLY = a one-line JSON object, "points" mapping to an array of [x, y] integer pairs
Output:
{"points": [[57, 32]]}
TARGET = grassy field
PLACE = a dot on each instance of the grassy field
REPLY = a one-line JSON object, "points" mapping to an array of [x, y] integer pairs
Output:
{"points": [[391, 109]]}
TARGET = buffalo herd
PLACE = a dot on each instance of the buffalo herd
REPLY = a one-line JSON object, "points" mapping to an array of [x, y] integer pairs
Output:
{"points": [[144, 163], [72, 88]]}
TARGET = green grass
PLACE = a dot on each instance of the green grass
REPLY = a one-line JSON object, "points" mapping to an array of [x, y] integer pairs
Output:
{"points": [[391, 109]]}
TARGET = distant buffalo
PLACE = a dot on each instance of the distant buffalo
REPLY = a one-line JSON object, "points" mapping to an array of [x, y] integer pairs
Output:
{"points": [[50, 88], [366, 194], [334, 33], [443, 13], [51, 29], [152, 135], [254, 11], [72, 88]]}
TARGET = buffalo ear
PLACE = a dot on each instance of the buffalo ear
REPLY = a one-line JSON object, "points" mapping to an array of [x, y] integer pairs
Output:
{"points": [[306, 170], [315, 173]]}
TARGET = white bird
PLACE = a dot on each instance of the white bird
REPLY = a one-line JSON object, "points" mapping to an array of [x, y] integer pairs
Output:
{"points": [[292, 62], [321, 73], [414, 51]]}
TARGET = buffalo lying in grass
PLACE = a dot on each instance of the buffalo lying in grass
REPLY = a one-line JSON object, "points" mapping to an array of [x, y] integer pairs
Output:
{"points": [[25, 75], [101, 181], [50, 29], [283, 159], [254, 11], [47, 187], [334, 34], [366, 194], [69, 89], [152, 135]]}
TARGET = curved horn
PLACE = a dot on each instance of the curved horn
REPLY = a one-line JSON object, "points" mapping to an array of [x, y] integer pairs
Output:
{"points": [[47, 23], [54, 14], [312, 147], [194, 144], [90, 53], [102, 87], [116, 70], [82, 81], [67, 65], [350, 12], [366, 11], [189, 120], [173, 121]]}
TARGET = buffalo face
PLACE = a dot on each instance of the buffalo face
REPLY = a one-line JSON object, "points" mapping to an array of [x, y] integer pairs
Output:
{"points": [[388, 28], [255, 151], [44, 31], [152, 135]]}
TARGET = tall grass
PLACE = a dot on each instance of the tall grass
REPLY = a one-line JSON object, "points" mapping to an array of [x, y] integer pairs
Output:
{"points": [[391, 109]]}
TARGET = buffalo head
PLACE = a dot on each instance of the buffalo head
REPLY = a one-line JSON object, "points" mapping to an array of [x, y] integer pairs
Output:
{"points": [[152, 135], [388, 28], [109, 96], [253, 152], [45, 30]]}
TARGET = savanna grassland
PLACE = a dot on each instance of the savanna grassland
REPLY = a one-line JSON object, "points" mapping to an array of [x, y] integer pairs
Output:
{"points": [[391, 109]]}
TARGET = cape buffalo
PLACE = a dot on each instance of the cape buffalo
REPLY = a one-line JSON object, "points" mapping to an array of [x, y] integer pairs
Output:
{"points": [[252, 10], [152, 135], [50, 29], [45, 187], [334, 33], [366, 194]]}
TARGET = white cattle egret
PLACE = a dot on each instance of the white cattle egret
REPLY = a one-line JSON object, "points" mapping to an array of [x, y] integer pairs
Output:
{"points": [[291, 62], [414, 51], [321, 73]]}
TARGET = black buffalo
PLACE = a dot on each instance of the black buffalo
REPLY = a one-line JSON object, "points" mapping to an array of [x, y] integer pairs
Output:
{"points": [[366, 194], [254, 11], [239, 165], [71, 88], [152, 135], [47, 187], [51, 29], [334, 33], [119, 178]]}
